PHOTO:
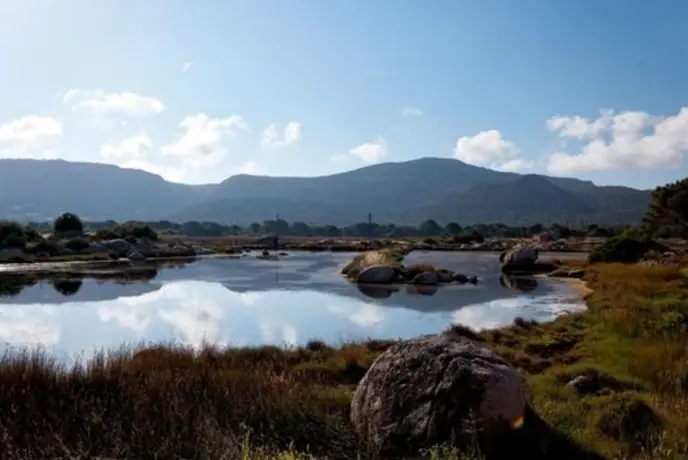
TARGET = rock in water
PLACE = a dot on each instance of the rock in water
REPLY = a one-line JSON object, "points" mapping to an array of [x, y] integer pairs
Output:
{"points": [[377, 274], [435, 389], [426, 278], [524, 255]]}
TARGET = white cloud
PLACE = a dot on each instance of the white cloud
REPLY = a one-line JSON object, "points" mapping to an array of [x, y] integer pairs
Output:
{"points": [[371, 152], [367, 316], [626, 140], [170, 173], [247, 167], [134, 148], [32, 136], [101, 102], [490, 149], [186, 66], [282, 334], [201, 142], [127, 315], [411, 112], [31, 129], [28, 325], [271, 137]]}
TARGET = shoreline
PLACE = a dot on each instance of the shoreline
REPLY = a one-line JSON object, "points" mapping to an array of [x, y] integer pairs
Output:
{"points": [[86, 266], [577, 284]]}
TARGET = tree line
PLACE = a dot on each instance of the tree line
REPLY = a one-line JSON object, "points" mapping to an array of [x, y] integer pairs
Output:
{"points": [[428, 228]]}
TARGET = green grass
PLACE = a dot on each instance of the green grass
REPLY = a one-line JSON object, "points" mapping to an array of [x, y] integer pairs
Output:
{"points": [[274, 403], [635, 334]]}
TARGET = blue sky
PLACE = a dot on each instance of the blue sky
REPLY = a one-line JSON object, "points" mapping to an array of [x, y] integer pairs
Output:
{"points": [[198, 91]]}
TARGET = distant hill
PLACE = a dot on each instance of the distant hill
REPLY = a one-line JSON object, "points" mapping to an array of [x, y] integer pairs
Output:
{"points": [[403, 193], [42, 189], [410, 192]]}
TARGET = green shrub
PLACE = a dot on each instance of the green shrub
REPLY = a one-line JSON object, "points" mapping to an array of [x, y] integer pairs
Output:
{"points": [[12, 235], [625, 249], [68, 222]]}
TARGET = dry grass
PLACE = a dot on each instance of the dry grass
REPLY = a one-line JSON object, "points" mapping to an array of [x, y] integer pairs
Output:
{"points": [[272, 403]]}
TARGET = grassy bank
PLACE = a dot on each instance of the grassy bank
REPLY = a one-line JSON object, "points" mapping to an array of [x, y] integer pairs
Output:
{"points": [[170, 402]]}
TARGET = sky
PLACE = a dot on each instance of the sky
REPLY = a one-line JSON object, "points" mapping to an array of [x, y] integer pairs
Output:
{"points": [[197, 91]]}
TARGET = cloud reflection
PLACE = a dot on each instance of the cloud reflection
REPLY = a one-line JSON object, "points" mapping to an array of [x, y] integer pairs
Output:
{"points": [[502, 312], [20, 326]]}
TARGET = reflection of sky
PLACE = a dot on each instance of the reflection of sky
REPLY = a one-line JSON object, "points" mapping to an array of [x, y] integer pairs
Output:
{"points": [[192, 312], [289, 313]]}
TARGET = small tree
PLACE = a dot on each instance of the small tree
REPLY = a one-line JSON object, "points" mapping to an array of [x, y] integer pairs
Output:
{"points": [[453, 228], [430, 228], [668, 206], [68, 222]]}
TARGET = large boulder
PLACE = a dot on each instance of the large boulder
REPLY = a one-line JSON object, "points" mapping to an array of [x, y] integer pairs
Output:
{"points": [[118, 246], [520, 255], [146, 247], [378, 274], [437, 389]]}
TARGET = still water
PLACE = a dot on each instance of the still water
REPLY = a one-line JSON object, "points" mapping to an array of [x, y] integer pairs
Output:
{"points": [[252, 302]]}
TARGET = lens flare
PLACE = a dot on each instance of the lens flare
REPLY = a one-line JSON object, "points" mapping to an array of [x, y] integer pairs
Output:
{"points": [[517, 423]]}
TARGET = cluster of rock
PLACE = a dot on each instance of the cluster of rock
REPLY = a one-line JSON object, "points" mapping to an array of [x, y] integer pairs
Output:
{"points": [[386, 274], [437, 389]]}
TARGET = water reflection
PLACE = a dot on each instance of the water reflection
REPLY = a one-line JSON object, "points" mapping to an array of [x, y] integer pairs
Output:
{"points": [[67, 287], [518, 283], [244, 302], [68, 281]]}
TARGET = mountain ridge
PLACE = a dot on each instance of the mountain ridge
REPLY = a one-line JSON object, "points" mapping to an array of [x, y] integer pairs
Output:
{"points": [[406, 192]]}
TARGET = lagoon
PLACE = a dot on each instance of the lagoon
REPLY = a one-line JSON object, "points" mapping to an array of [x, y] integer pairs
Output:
{"points": [[248, 301]]}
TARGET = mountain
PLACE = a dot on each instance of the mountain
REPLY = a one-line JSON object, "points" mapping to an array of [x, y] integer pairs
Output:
{"points": [[404, 193], [525, 200], [412, 191], [43, 189]]}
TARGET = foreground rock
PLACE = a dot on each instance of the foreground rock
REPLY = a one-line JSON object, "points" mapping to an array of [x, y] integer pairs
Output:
{"points": [[435, 389]]}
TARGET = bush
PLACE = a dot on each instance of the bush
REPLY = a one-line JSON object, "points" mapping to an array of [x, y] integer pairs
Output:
{"points": [[629, 419], [42, 246], [129, 231], [106, 234], [14, 240], [625, 249], [467, 237], [12, 234], [68, 222]]}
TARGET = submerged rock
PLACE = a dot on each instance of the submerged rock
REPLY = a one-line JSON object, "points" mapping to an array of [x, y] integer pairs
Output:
{"points": [[435, 389]]}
